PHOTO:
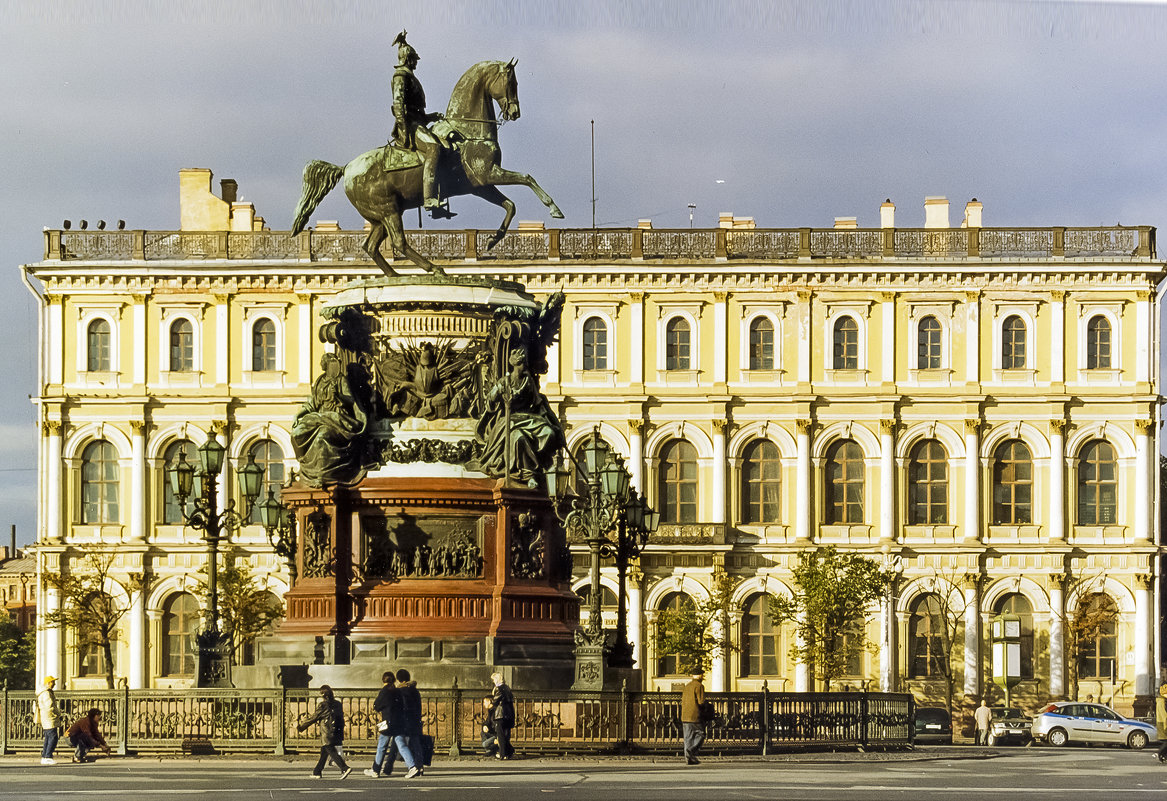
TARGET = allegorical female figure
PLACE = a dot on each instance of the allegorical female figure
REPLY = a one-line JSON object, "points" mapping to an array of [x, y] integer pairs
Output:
{"points": [[517, 415], [328, 431]]}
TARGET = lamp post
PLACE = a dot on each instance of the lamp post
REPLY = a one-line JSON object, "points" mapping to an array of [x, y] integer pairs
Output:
{"points": [[215, 525], [280, 525], [608, 505]]}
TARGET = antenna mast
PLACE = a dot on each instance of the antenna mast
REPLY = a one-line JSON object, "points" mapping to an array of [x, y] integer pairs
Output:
{"points": [[593, 173]]}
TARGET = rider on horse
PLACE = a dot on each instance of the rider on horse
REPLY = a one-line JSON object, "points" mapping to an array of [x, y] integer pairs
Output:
{"points": [[411, 130]]}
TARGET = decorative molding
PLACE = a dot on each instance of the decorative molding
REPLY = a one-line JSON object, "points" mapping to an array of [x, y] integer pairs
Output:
{"points": [[637, 425], [972, 426], [138, 427], [1057, 426], [719, 426], [720, 297], [1144, 426], [1145, 581], [804, 426], [52, 427], [887, 426], [1058, 295]]}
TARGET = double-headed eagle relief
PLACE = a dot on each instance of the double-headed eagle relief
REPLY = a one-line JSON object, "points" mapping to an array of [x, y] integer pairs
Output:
{"points": [[430, 158]]}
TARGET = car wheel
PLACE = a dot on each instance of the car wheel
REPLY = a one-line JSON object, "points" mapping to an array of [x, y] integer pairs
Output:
{"points": [[1137, 740], [1057, 737], [992, 739]]}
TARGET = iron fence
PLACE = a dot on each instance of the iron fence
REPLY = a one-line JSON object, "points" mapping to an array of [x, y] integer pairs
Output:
{"points": [[546, 721]]}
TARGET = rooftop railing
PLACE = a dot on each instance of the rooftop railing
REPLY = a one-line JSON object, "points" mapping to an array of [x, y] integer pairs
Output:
{"points": [[619, 244]]}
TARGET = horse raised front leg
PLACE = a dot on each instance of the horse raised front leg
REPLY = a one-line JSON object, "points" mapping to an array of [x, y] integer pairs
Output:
{"points": [[498, 175], [491, 194], [401, 245]]}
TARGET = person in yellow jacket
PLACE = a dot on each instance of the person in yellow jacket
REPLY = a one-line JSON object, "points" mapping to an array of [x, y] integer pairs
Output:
{"points": [[692, 725], [50, 718]]}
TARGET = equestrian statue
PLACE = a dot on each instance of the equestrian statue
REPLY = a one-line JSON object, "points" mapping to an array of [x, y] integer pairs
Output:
{"points": [[430, 158]]}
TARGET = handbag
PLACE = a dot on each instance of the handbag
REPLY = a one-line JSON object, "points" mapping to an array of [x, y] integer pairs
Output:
{"points": [[383, 726], [427, 750]]}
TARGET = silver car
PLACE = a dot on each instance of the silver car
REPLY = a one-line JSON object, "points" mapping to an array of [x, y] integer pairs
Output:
{"points": [[1065, 722]]}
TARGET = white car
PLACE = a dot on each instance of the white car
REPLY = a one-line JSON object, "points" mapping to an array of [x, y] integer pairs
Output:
{"points": [[1065, 722]]}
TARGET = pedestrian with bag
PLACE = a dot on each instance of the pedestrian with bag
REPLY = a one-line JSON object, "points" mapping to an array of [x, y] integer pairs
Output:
{"points": [[392, 724], [50, 719], [329, 716], [693, 716], [85, 735], [502, 712]]}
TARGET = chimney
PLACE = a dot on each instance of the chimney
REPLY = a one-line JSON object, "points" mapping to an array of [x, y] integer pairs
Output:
{"points": [[846, 222], [887, 214], [3, 553], [935, 212], [972, 214], [14, 539], [229, 189]]}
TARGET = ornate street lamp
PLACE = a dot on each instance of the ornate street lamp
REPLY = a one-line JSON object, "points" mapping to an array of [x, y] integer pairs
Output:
{"points": [[608, 504], [215, 525], [280, 525]]}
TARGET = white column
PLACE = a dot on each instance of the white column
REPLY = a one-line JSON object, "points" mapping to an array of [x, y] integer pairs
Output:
{"points": [[972, 481], [802, 317], [49, 662], [720, 338], [53, 498], [222, 341], [636, 346], [801, 669], [888, 356], [552, 376], [1143, 498], [1143, 336], [1057, 481], [972, 640], [1058, 338], [972, 337], [304, 323], [719, 472], [140, 338], [635, 619], [636, 455], [137, 615], [719, 671], [1145, 673], [802, 515], [887, 480], [54, 345], [888, 652], [138, 480], [1057, 651]]}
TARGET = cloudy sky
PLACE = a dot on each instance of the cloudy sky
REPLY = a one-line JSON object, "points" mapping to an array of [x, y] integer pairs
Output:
{"points": [[1050, 113]]}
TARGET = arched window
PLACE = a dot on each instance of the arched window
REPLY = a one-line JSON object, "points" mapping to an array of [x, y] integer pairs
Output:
{"points": [[761, 639], [1098, 343], [97, 350], [1097, 484], [595, 344], [180, 621], [99, 483], [844, 483], [171, 514], [846, 344], [928, 344], [269, 456], [761, 344], [670, 664], [928, 484], [181, 346], [926, 638], [761, 470], [677, 490], [1017, 604], [1012, 484], [1093, 628], [677, 344], [91, 659], [1013, 343], [263, 345]]}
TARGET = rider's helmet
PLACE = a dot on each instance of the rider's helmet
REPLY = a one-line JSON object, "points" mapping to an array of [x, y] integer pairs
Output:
{"points": [[405, 51]]}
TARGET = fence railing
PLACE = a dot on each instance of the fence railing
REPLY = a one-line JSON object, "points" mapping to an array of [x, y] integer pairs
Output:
{"points": [[617, 244], [266, 720]]}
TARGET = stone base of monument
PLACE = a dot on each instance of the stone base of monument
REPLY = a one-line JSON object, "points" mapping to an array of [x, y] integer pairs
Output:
{"points": [[447, 577]]}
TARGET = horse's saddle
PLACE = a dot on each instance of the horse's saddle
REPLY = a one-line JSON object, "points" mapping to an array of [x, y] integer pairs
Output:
{"points": [[395, 158]]}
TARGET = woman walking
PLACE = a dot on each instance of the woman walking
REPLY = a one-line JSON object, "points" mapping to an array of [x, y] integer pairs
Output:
{"points": [[330, 716]]}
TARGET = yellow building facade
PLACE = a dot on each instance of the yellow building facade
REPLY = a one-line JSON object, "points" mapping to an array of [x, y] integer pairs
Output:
{"points": [[976, 408]]}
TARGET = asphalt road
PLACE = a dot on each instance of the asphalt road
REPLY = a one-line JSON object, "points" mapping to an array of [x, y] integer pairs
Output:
{"points": [[941, 773]]}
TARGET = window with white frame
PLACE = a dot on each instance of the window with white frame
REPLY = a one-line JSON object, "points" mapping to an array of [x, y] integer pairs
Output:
{"points": [[845, 343], [1014, 343], [761, 343], [181, 345], [1098, 343], [929, 344], [678, 343], [98, 346], [263, 345], [595, 344]]}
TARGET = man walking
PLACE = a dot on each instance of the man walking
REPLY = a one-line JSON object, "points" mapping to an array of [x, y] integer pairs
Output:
{"points": [[983, 717], [692, 726], [502, 711], [50, 718], [330, 716], [409, 743]]}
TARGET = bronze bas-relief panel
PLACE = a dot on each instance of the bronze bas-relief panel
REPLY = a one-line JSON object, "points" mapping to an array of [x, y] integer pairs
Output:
{"points": [[405, 545]]}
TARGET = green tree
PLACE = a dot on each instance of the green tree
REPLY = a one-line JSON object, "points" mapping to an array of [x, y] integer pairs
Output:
{"points": [[1088, 627], [245, 609], [828, 607], [17, 656], [945, 607], [698, 632], [87, 609]]}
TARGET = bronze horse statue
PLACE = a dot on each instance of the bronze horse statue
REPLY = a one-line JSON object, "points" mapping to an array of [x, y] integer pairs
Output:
{"points": [[383, 183]]}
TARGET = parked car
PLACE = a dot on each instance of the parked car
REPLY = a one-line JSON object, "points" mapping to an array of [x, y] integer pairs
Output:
{"points": [[933, 725], [1065, 722], [1008, 726]]}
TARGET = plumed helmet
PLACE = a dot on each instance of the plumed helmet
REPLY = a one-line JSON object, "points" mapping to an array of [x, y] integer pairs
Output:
{"points": [[405, 50]]}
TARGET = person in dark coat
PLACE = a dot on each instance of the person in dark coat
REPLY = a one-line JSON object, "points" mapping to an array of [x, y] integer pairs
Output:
{"points": [[330, 717], [408, 743], [489, 736], [502, 712], [392, 725], [85, 735]]}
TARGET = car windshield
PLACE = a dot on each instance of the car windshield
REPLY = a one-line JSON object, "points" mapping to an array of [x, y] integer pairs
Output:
{"points": [[1007, 712], [929, 715]]}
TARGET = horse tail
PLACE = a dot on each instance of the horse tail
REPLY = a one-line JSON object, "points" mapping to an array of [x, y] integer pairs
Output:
{"points": [[320, 178]]}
